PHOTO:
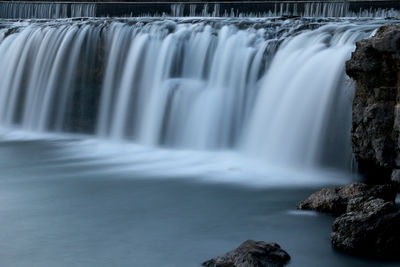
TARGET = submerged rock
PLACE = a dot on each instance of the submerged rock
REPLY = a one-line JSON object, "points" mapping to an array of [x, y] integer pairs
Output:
{"points": [[252, 254], [370, 228], [336, 199]]}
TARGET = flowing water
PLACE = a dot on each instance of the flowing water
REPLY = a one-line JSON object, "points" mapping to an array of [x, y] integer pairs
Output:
{"points": [[312, 8], [252, 85], [166, 141]]}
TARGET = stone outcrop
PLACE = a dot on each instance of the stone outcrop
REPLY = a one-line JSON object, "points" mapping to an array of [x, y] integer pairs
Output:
{"points": [[369, 223], [252, 254], [375, 66], [336, 199], [369, 228]]}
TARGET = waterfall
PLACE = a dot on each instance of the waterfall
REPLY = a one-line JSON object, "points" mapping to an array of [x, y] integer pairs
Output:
{"points": [[26, 10], [275, 88], [304, 102], [41, 10], [301, 9]]}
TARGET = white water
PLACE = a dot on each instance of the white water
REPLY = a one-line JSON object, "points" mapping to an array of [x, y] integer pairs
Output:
{"points": [[88, 157], [94, 113], [298, 124], [307, 9], [27, 10], [274, 90]]}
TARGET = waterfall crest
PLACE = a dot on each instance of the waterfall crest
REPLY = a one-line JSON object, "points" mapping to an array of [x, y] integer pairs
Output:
{"points": [[45, 10], [277, 9], [274, 87], [26, 10]]}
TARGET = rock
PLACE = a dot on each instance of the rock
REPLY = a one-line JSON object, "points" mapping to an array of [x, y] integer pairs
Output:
{"points": [[395, 177], [336, 199], [252, 254], [375, 66], [361, 205], [387, 39], [370, 229]]}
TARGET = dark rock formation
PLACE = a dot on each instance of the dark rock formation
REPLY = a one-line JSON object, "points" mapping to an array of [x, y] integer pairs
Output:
{"points": [[252, 254], [336, 199], [369, 224], [369, 228], [375, 66]]}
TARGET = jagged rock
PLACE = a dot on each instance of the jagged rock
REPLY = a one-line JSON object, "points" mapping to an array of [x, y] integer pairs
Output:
{"points": [[252, 254], [370, 228], [336, 199], [375, 66]]}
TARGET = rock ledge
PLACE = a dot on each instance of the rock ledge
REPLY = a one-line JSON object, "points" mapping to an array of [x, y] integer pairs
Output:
{"points": [[335, 199], [368, 225]]}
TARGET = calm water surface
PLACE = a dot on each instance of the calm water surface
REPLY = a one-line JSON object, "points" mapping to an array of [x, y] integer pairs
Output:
{"points": [[59, 208]]}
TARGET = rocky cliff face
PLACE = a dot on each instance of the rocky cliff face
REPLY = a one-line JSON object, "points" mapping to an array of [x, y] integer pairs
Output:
{"points": [[375, 67]]}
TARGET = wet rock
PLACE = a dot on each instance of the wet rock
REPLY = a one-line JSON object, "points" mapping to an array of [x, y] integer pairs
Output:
{"points": [[252, 254], [370, 228], [336, 199], [375, 66]]}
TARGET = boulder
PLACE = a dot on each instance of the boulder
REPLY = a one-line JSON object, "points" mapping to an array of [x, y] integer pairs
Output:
{"points": [[336, 199], [252, 254], [370, 228]]}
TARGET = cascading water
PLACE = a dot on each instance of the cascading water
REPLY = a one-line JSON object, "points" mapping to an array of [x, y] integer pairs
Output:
{"points": [[278, 9], [46, 10], [304, 86], [26, 10], [96, 112], [268, 87]]}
